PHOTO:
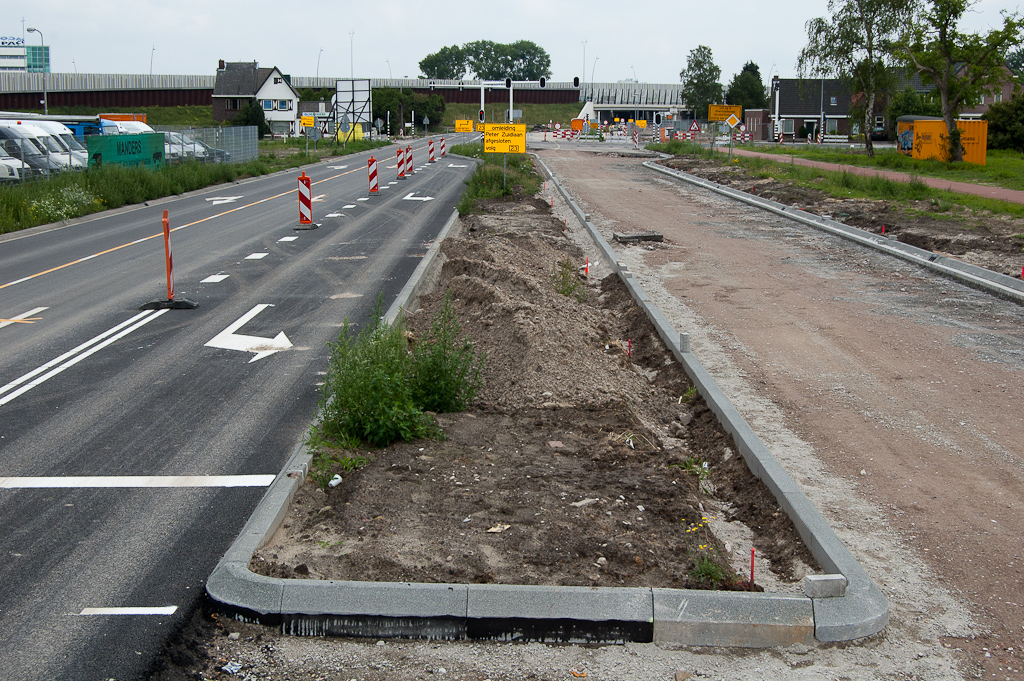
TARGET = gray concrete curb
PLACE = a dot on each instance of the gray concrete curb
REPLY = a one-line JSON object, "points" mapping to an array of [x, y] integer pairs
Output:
{"points": [[554, 614], [972, 275], [863, 610]]}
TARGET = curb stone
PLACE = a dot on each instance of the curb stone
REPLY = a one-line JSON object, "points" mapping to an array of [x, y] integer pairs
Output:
{"points": [[556, 614]]}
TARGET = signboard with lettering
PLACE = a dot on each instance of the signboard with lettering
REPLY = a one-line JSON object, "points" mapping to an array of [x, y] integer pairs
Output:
{"points": [[576, 124], [721, 112], [464, 125], [308, 121], [641, 122], [126, 150], [11, 41], [505, 138]]}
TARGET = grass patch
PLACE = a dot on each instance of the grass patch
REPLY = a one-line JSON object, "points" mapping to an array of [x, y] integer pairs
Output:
{"points": [[566, 282], [1004, 168], [376, 391], [493, 181]]}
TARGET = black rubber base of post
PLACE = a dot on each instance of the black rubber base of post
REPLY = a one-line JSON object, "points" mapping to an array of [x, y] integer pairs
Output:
{"points": [[175, 304], [312, 225]]}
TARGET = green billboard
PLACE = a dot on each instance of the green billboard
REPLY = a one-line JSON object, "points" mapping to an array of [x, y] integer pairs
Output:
{"points": [[126, 150]]}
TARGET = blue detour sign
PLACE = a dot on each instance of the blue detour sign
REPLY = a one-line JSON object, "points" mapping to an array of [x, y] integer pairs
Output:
{"points": [[126, 150]]}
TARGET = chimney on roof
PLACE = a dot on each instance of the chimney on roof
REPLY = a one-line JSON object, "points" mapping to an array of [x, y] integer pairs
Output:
{"points": [[220, 65]]}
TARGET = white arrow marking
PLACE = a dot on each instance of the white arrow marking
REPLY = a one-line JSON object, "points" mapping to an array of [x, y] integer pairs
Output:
{"points": [[217, 200], [452, 165], [263, 347], [410, 197], [319, 198], [337, 167]]}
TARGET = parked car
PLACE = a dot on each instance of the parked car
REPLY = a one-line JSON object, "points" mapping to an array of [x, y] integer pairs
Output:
{"points": [[11, 169], [19, 143], [66, 138]]}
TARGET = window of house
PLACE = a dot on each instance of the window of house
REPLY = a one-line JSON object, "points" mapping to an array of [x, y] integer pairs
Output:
{"points": [[284, 105], [787, 126], [833, 101], [855, 129], [278, 80], [231, 104], [831, 126], [998, 97], [267, 104], [879, 121]]}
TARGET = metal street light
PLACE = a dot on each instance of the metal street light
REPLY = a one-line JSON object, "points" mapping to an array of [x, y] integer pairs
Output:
{"points": [[592, 70], [42, 44], [351, 60], [390, 75], [151, 60], [318, 62]]}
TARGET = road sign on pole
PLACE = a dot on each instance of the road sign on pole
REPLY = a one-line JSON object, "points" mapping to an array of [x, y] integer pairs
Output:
{"points": [[505, 139]]}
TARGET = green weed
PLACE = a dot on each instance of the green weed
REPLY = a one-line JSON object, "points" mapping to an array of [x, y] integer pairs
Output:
{"points": [[445, 373], [566, 282]]}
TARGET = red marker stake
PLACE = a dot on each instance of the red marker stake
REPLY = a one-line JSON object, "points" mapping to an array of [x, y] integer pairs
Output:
{"points": [[751, 566], [587, 270], [629, 345], [883, 230]]}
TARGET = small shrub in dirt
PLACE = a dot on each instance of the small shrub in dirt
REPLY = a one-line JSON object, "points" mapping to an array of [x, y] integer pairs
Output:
{"points": [[566, 281], [367, 395], [446, 369], [325, 462]]}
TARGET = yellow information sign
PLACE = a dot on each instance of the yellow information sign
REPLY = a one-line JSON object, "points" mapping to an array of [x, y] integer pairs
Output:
{"points": [[721, 112], [464, 125], [505, 138], [308, 121], [481, 127], [641, 122]]}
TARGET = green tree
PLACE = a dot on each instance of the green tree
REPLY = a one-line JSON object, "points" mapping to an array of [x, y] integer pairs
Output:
{"points": [[962, 66], [521, 60], [1015, 60], [700, 81], [853, 44], [911, 103], [252, 114], [448, 63], [747, 88], [1006, 124]]}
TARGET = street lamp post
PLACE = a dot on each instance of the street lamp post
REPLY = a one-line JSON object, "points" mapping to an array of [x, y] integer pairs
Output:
{"points": [[593, 69], [318, 63], [42, 44], [584, 74], [151, 53]]}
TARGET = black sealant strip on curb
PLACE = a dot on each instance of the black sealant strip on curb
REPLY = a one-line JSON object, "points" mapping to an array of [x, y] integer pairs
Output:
{"points": [[560, 614], [972, 275]]}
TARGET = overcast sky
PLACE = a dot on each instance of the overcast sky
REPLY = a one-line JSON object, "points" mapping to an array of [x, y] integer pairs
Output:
{"points": [[650, 39]]}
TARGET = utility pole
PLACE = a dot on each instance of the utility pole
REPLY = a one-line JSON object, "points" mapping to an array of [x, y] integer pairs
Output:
{"points": [[42, 43]]}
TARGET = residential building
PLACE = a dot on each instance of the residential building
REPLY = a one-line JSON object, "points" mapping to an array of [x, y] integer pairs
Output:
{"points": [[239, 83], [802, 104]]}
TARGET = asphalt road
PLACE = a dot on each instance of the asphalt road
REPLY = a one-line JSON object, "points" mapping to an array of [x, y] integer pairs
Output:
{"points": [[92, 390]]}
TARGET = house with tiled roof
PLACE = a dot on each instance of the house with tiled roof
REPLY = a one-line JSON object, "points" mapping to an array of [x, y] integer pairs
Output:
{"points": [[804, 103], [239, 83], [973, 110]]}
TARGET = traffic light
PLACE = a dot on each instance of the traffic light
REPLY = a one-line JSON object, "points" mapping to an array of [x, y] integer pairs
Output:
{"points": [[508, 83], [657, 118], [481, 115], [576, 81], [542, 81]]}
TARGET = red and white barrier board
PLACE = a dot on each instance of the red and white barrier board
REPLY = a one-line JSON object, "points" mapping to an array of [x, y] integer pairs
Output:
{"points": [[305, 200], [371, 169]]}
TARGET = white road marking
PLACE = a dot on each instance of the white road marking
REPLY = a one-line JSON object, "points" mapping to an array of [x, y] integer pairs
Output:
{"points": [[291, 238], [337, 167], [263, 347], [23, 316], [214, 279], [319, 198], [256, 256], [410, 197], [165, 610], [132, 481], [76, 355], [347, 206], [393, 182], [452, 165], [217, 200], [384, 186], [365, 198], [334, 215]]}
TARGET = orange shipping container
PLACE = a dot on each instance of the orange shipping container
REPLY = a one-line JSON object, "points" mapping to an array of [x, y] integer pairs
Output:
{"points": [[927, 138], [124, 117]]}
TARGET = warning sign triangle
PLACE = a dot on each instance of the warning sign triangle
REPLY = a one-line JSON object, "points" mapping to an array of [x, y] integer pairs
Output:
{"points": [[694, 127]]}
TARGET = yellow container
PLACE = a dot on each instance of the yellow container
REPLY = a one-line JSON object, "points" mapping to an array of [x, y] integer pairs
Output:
{"points": [[927, 138]]}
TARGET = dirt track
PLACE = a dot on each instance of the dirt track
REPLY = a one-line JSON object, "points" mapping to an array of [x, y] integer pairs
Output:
{"points": [[905, 385]]}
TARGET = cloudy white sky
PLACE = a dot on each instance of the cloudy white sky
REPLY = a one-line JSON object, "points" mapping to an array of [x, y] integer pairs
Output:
{"points": [[650, 39]]}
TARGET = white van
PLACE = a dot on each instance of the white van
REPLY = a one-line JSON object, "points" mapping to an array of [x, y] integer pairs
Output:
{"points": [[64, 135], [57, 153], [132, 127]]}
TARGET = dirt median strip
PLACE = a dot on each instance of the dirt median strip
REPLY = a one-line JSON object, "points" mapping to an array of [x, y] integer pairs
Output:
{"points": [[583, 613]]}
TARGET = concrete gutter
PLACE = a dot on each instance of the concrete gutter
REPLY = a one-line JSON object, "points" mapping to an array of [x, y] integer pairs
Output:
{"points": [[562, 614], [1001, 285]]}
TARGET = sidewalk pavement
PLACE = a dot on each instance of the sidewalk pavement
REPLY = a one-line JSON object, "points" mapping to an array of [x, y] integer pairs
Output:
{"points": [[1000, 193]]}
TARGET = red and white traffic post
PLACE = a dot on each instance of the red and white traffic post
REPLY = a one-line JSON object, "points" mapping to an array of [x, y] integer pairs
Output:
{"points": [[430, 151], [170, 303], [305, 200], [401, 163], [443, 152], [371, 169], [408, 161]]}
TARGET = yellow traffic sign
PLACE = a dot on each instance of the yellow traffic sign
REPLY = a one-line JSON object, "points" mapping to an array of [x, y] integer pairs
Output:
{"points": [[502, 138], [308, 121], [720, 112], [733, 120], [641, 122], [464, 125]]}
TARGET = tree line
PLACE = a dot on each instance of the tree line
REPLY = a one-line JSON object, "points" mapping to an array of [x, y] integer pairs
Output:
{"points": [[875, 46]]}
